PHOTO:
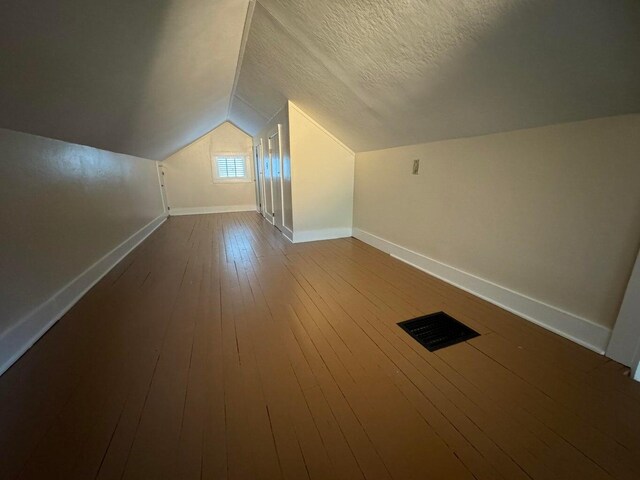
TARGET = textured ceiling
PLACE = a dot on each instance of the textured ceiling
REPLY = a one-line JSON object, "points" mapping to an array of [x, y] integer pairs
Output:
{"points": [[142, 77], [148, 77], [382, 73]]}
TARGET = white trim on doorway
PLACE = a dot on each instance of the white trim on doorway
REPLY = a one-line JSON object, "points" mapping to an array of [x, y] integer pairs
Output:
{"points": [[324, 234], [624, 346]]}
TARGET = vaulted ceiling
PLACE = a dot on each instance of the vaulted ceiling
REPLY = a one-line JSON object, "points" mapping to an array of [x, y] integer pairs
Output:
{"points": [[382, 73], [143, 77], [147, 77]]}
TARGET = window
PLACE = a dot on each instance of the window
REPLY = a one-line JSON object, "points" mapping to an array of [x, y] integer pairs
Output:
{"points": [[230, 168]]}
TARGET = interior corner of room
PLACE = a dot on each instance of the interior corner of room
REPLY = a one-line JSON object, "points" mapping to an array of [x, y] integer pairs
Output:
{"points": [[328, 170]]}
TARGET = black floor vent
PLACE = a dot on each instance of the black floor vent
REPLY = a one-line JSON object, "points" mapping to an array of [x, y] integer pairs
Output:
{"points": [[437, 330]]}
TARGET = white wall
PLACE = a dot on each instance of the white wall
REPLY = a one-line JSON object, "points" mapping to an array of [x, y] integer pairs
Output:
{"points": [[322, 170], [189, 179], [317, 177], [64, 207], [551, 214]]}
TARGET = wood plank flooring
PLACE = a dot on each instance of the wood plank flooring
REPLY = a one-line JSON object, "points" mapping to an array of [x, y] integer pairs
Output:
{"points": [[218, 350]]}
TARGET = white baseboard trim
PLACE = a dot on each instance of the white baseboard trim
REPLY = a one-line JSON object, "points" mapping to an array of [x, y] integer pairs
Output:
{"points": [[580, 330], [205, 210], [324, 234], [28, 330], [288, 233]]}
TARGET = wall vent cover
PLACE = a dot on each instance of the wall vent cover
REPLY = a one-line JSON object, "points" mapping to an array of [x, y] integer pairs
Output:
{"points": [[437, 330]]}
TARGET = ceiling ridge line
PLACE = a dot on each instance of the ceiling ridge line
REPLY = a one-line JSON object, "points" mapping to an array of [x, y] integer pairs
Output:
{"points": [[279, 110], [245, 35], [253, 107]]}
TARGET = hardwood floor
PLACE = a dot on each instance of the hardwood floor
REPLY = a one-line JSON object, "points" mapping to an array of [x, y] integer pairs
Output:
{"points": [[217, 349]]}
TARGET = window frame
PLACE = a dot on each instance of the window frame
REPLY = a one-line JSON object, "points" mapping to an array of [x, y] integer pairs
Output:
{"points": [[214, 168]]}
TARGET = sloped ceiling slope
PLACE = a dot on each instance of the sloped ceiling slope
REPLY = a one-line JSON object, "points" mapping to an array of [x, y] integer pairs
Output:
{"points": [[143, 77], [382, 73]]}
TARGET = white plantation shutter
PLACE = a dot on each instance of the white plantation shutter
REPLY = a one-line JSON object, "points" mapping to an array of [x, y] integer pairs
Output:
{"points": [[230, 166]]}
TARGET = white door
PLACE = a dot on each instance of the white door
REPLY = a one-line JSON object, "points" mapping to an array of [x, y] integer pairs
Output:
{"points": [[257, 167], [268, 184], [624, 345], [276, 175], [263, 186], [163, 188]]}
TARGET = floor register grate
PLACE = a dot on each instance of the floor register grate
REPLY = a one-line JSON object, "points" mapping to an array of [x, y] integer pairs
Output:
{"points": [[437, 330]]}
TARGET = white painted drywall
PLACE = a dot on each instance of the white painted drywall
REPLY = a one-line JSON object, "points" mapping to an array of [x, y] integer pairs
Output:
{"points": [[246, 117], [64, 207], [624, 346], [322, 170], [379, 74], [552, 213], [317, 177], [189, 178], [145, 77]]}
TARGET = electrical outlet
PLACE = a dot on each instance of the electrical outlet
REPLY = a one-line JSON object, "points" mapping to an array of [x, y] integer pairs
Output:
{"points": [[416, 167]]}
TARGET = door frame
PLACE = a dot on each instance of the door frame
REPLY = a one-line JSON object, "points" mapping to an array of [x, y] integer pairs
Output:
{"points": [[278, 132], [263, 180], [256, 169], [268, 190], [281, 169], [162, 181], [624, 345]]}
